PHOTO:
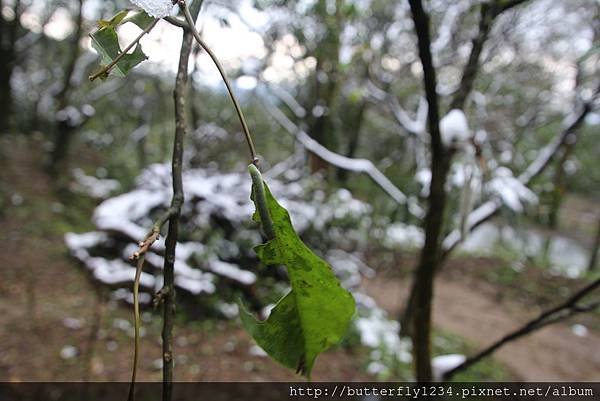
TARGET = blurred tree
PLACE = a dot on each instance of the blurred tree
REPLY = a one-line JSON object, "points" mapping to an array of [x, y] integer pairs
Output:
{"points": [[67, 123], [10, 27]]}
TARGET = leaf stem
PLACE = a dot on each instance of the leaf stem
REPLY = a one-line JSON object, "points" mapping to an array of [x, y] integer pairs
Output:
{"points": [[136, 315], [259, 196], [105, 70], [238, 109]]}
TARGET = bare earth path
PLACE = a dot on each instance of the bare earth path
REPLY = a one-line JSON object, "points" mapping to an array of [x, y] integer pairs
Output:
{"points": [[553, 353]]}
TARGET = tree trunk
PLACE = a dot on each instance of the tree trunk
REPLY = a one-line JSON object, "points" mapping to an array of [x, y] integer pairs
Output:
{"points": [[64, 128], [179, 97], [594, 253], [353, 129], [431, 253], [8, 37]]}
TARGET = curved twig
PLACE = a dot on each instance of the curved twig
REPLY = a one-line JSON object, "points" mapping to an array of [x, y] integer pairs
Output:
{"points": [[238, 109]]}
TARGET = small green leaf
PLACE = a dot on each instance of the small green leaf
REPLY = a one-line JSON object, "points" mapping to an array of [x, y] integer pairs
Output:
{"points": [[106, 43], [314, 315], [114, 21], [141, 19]]}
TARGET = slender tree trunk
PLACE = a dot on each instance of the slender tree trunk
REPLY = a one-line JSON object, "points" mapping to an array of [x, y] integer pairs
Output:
{"points": [[8, 37], [430, 254], [353, 130], [327, 76], [168, 291], [594, 252], [65, 129]]}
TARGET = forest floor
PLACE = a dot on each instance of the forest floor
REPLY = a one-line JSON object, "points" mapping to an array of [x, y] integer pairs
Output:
{"points": [[55, 325]]}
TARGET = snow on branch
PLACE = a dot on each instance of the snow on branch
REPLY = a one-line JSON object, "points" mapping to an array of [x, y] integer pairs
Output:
{"points": [[416, 127], [346, 163], [488, 209]]}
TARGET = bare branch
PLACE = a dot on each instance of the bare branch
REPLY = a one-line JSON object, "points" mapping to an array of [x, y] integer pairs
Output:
{"points": [[487, 15], [486, 19], [177, 22], [564, 310]]}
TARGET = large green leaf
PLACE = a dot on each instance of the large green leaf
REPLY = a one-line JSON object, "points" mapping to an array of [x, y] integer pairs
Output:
{"points": [[317, 311]]}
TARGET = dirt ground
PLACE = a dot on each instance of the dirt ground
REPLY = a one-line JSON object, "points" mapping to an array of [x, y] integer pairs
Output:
{"points": [[54, 325], [476, 312]]}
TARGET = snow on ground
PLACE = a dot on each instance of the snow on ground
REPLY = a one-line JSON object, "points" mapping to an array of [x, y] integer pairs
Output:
{"points": [[217, 232], [379, 333], [97, 188], [565, 255], [445, 363]]}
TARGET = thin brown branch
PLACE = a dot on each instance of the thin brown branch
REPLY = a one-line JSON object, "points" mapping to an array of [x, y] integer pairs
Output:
{"points": [[169, 302], [487, 15], [560, 312], [107, 68], [177, 22], [236, 105], [153, 235]]}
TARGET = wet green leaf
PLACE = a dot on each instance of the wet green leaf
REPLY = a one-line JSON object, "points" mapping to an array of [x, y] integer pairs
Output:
{"points": [[317, 311]]}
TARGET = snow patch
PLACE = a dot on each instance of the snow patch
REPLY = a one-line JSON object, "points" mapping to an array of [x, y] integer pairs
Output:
{"points": [[400, 234], [445, 363], [155, 8], [513, 193], [454, 128]]}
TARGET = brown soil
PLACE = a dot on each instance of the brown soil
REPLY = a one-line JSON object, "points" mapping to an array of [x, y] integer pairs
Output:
{"points": [[482, 313]]}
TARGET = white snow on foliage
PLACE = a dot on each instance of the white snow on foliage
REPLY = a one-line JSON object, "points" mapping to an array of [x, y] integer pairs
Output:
{"points": [[445, 363], [376, 330], [155, 8], [92, 186], [400, 234], [349, 268], [214, 200], [454, 128], [379, 333], [513, 193]]}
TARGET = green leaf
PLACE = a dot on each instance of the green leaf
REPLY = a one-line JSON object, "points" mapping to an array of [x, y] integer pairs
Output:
{"points": [[141, 19], [106, 43], [114, 21], [315, 314]]}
